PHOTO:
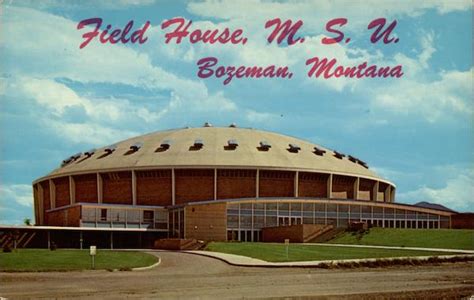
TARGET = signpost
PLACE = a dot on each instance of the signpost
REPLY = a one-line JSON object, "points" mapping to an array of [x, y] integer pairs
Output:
{"points": [[93, 252], [287, 244]]}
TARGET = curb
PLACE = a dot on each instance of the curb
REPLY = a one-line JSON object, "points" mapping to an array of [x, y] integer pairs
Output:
{"points": [[149, 267], [325, 263]]}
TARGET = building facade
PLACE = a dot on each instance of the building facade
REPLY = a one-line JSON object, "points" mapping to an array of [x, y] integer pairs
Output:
{"points": [[221, 184]]}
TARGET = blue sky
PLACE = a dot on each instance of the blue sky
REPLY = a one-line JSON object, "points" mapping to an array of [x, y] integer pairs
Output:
{"points": [[416, 131]]}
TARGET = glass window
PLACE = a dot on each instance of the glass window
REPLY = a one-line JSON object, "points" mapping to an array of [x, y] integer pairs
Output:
{"points": [[148, 215], [103, 214]]}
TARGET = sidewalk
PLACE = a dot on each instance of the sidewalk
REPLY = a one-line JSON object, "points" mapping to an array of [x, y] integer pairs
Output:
{"points": [[244, 261], [396, 248]]}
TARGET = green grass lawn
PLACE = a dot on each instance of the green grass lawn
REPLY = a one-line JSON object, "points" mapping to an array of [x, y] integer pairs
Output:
{"points": [[299, 252], [429, 238], [66, 260]]}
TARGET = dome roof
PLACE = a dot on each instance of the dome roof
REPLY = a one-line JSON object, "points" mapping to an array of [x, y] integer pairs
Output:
{"points": [[221, 147]]}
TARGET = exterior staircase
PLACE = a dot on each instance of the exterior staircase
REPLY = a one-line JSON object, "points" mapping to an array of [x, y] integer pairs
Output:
{"points": [[179, 244], [318, 232], [7, 239], [327, 235]]}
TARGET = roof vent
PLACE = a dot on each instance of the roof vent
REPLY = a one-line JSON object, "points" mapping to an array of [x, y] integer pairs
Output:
{"points": [[294, 148], [264, 146], [319, 151], [76, 156], [207, 124], [362, 163], [233, 125], [166, 144], [338, 154], [352, 158], [66, 161], [135, 147], [198, 144], [231, 144], [110, 149], [71, 159], [89, 153]]}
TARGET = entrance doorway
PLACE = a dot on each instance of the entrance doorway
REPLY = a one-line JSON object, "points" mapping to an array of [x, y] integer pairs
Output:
{"points": [[287, 221]]}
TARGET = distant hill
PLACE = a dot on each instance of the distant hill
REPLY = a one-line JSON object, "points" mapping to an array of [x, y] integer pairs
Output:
{"points": [[433, 206]]}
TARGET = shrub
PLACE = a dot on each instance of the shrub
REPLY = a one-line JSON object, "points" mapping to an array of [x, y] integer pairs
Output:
{"points": [[7, 248], [53, 246]]}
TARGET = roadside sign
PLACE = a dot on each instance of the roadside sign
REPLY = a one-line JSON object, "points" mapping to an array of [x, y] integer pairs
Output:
{"points": [[93, 252], [287, 244]]}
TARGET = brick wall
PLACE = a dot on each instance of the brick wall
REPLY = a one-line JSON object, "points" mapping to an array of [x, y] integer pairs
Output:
{"points": [[462, 221], [154, 187], [36, 201], [312, 185], [62, 191], [86, 188], [206, 222], [65, 217], [46, 199], [194, 185], [277, 184], [234, 184], [117, 187], [343, 187]]}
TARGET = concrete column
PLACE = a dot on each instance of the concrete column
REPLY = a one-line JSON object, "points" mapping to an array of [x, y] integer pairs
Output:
{"points": [[383, 215], [52, 193], [81, 240], [111, 240], [387, 194], [406, 219], [99, 188], [372, 214], [49, 240], [296, 184], [173, 188], [392, 195], [184, 223], [257, 184], [134, 188], [325, 214], [375, 191], [329, 187], [215, 184], [356, 188], [72, 190]]}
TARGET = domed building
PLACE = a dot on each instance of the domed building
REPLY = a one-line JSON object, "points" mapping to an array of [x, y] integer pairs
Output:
{"points": [[221, 184]]}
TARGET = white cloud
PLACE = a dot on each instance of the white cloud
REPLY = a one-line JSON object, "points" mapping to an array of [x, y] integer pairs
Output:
{"points": [[316, 13], [450, 95], [18, 193], [94, 133], [457, 193], [68, 4], [54, 54]]}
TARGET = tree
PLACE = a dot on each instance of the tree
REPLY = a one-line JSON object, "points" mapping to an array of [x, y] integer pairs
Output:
{"points": [[27, 221]]}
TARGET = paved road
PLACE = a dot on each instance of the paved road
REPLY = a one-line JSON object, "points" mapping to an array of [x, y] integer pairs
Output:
{"points": [[189, 276]]}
